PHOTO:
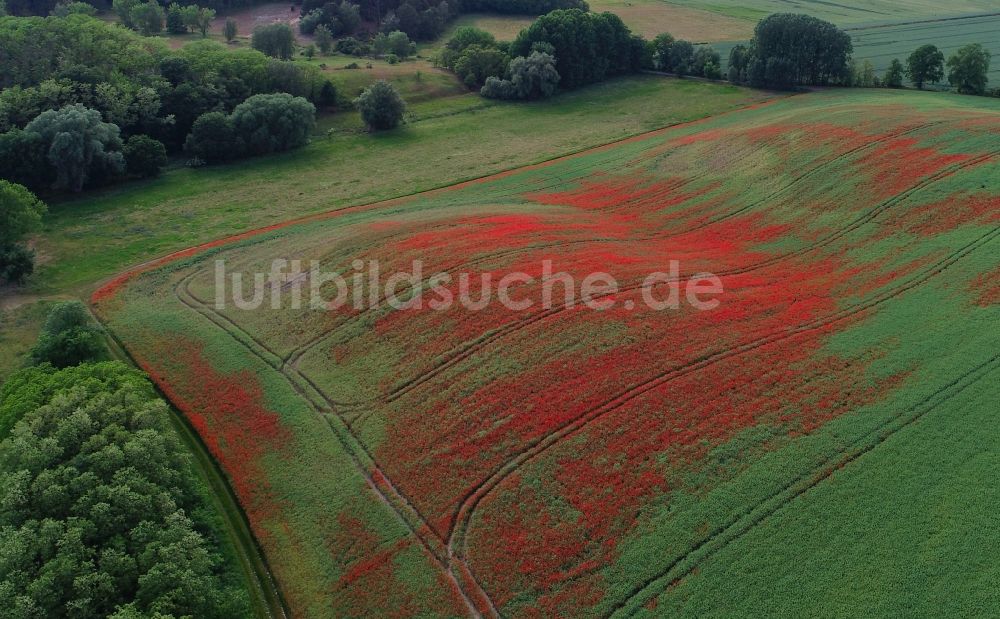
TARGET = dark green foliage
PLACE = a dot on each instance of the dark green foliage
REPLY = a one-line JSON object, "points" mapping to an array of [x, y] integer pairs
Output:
{"points": [[20, 213], [123, 9], [23, 160], [894, 74], [381, 106], [474, 56], [967, 69], [352, 47], [925, 64], [682, 58], [523, 7], [273, 123], [133, 107], [100, 507], [496, 88], [422, 24], [33, 387], [17, 263], [189, 100], [706, 62], [144, 156], [175, 19], [534, 77], [64, 9], [49, 65], [468, 35], [68, 338], [147, 18], [397, 43], [588, 47], [791, 50], [79, 145], [230, 30], [311, 20], [475, 64], [198, 18], [275, 40], [327, 95], [212, 139], [660, 47], [33, 50], [340, 18], [739, 61], [324, 39]]}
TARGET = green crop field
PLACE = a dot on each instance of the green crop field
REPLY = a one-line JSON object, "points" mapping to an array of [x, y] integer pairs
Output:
{"points": [[881, 43], [820, 442], [844, 12]]}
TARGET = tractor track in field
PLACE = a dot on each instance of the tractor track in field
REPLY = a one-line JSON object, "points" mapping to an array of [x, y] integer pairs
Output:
{"points": [[456, 552], [470, 501], [474, 346], [296, 355], [449, 559], [455, 556], [111, 284], [454, 569], [737, 526]]}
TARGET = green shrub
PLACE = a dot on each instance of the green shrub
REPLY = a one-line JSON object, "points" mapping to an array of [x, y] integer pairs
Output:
{"points": [[69, 337], [17, 263], [381, 106], [274, 123], [144, 156], [212, 139], [275, 40]]}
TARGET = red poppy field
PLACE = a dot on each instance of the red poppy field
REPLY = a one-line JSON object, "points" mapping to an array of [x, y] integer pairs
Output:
{"points": [[569, 460]]}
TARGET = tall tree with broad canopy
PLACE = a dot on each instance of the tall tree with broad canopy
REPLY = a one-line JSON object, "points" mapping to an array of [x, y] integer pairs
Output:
{"points": [[80, 146], [968, 68], [925, 64]]}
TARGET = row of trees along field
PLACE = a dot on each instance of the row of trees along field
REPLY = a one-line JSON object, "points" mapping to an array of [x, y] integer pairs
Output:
{"points": [[127, 101], [85, 103], [101, 512], [419, 19], [571, 48], [790, 50]]}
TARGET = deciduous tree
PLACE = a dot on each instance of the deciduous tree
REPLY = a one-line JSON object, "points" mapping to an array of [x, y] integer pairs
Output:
{"points": [[968, 68], [80, 146], [381, 106], [925, 64], [894, 74]]}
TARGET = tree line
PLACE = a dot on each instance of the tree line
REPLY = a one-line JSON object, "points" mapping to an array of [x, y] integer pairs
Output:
{"points": [[129, 101], [790, 50], [420, 20], [101, 511], [567, 49]]}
